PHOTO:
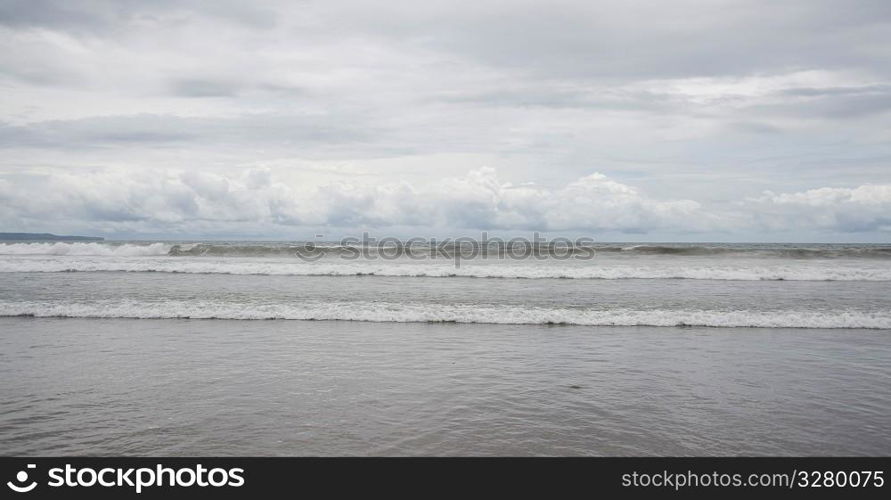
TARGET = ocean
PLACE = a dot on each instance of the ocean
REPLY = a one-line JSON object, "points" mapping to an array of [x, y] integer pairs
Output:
{"points": [[251, 348]]}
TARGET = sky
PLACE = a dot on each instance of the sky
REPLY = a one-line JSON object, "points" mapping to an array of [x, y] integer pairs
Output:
{"points": [[719, 120]]}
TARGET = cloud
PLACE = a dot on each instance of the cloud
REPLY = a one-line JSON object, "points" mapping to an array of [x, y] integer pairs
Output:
{"points": [[158, 130], [104, 16], [204, 88], [182, 202], [861, 209], [710, 103], [637, 39], [172, 201]]}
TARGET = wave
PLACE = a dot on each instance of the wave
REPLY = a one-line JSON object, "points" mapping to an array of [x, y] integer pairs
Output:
{"points": [[87, 249], [606, 271], [757, 251], [449, 250], [247, 249], [450, 313]]}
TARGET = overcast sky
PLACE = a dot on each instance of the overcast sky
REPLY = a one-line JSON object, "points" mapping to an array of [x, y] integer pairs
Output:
{"points": [[716, 120]]}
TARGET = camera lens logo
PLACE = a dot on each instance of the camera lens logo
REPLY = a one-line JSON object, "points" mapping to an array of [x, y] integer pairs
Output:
{"points": [[21, 478]]}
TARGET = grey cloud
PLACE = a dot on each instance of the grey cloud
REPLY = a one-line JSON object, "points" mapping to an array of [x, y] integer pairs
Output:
{"points": [[618, 40], [79, 134], [754, 127], [838, 91], [105, 16], [125, 131], [852, 106], [833, 102], [687, 100], [550, 95], [205, 88], [39, 75], [52, 14], [636, 39]]}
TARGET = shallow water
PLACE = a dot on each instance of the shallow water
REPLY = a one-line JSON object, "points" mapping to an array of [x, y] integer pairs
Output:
{"points": [[209, 387]]}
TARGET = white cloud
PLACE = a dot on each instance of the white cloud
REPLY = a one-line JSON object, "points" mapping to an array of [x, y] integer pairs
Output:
{"points": [[176, 200], [861, 209], [258, 200]]}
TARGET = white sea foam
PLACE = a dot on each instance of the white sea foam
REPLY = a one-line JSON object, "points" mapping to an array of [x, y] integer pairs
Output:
{"points": [[456, 313], [604, 269], [277, 249], [651, 262], [82, 249]]}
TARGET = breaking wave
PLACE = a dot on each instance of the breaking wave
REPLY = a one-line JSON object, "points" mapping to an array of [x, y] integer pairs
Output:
{"points": [[86, 249], [443, 269], [451, 313], [249, 249], [767, 251], [792, 252]]}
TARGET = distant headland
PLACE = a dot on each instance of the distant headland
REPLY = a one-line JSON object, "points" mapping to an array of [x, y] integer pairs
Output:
{"points": [[45, 237]]}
